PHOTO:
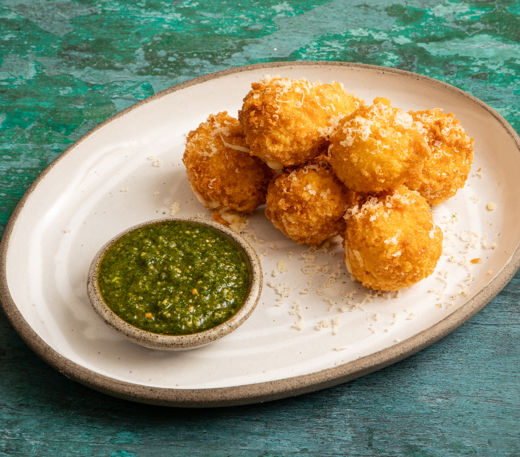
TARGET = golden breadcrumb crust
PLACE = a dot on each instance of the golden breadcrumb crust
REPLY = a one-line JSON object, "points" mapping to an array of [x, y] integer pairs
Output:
{"points": [[220, 169], [391, 241], [307, 204], [377, 148], [447, 168], [286, 121]]}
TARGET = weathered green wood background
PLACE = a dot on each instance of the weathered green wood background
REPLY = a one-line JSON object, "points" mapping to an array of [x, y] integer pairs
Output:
{"points": [[67, 65]]}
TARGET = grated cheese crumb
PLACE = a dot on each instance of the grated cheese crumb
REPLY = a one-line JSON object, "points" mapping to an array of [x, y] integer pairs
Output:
{"points": [[335, 324], [321, 325], [280, 289], [296, 311], [330, 302], [478, 174], [156, 161], [174, 208], [281, 267], [236, 221]]}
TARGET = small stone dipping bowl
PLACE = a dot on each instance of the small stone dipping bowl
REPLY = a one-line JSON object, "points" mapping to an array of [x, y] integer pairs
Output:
{"points": [[178, 342]]}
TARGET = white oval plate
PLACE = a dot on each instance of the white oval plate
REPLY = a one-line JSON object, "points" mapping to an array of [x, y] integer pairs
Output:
{"points": [[314, 327]]}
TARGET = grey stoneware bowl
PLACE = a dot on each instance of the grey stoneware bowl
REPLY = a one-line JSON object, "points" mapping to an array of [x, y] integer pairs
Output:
{"points": [[178, 342]]}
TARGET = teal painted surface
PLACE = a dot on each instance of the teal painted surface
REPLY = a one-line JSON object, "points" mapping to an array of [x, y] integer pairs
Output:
{"points": [[66, 65]]}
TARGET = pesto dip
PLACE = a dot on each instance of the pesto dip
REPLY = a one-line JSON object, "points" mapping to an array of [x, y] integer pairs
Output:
{"points": [[174, 277]]}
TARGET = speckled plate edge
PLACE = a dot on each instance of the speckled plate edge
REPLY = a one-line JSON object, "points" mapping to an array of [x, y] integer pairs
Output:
{"points": [[265, 391]]}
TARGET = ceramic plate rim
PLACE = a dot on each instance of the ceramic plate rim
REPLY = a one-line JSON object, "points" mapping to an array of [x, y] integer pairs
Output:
{"points": [[263, 391]]}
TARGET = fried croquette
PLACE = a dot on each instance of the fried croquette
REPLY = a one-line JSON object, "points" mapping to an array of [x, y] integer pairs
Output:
{"points": [[447, 168], [307, 204], [220, 169], [286, 121], [377, 148], [391, 241]]}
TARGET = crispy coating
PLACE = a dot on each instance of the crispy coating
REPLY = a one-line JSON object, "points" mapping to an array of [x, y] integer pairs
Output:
{"points": [[286, 121], [391, 240], [377, 148], [221, 172], [447, 168], [307, 204], [355, 198]]}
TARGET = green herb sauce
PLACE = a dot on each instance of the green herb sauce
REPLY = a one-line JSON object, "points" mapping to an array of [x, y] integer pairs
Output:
{"points": [[174, 277]]}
